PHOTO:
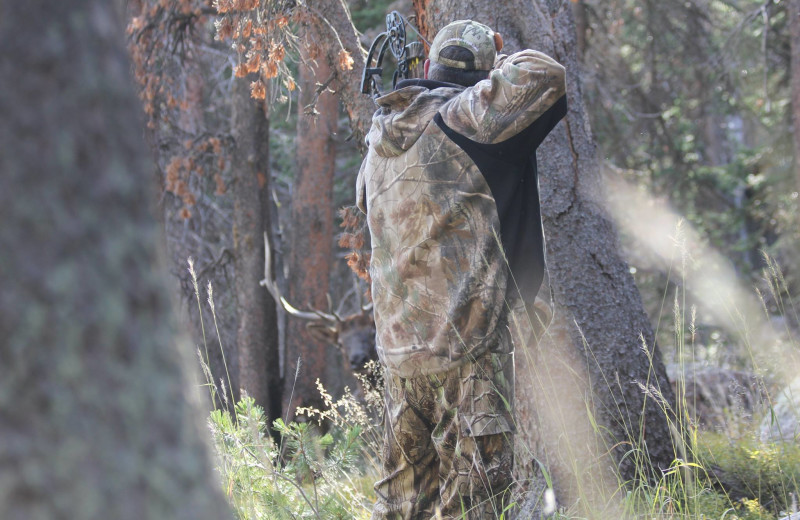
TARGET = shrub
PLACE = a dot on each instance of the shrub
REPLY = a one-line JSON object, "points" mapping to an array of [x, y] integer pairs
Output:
{"points": [[753, 474], [312, 475]]}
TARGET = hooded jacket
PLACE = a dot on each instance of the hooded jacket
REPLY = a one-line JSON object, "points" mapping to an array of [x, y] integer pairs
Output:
{"points": [[450, 190]]}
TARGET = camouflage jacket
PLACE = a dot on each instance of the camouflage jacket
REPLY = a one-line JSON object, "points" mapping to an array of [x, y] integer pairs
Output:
{"points": [[439, 155]]}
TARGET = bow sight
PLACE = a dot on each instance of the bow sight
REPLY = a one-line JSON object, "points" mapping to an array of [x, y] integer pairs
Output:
{"points": [[408, 56]]}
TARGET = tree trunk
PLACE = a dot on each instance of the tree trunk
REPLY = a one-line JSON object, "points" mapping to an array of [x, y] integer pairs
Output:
{"points": [[179, 71], [312, 233], [347, 83], [257, 334], [98, 414], [593, 357], [581, 27], [794, 28], [311, 256]]}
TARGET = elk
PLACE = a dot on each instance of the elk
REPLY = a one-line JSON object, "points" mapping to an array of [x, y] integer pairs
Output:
{"points": [[353, 335]]}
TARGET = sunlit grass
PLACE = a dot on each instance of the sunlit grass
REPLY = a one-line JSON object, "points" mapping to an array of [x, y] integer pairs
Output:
{"points": [[310, 473], [328, 471]]}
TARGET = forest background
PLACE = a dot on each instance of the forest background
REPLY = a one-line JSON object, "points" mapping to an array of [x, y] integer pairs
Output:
{"points": [[689, 106], [679, 148]]}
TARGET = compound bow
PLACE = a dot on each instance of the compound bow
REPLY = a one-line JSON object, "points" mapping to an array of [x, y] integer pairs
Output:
{"points": [[409, 56]]}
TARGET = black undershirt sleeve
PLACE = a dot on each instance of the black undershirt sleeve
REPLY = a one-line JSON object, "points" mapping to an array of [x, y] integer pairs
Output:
{"points": [[509, 168]]}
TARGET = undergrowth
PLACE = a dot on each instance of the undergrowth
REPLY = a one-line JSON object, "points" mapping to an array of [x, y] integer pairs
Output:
{"points": [[308, 472], [324, 468], [310, 475]]}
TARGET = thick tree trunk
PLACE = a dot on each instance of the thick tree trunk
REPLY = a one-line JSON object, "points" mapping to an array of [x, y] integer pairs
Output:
{"points": [[176, 66], [312, 232], [98, 415], [257, 334], [347, 83], [581, 27], [593, 353], [794, 28], [312, 228]]}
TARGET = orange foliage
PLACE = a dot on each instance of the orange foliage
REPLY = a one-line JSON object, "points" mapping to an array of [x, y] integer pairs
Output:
{"points": [[359, 264], [241, 70], [354, 238], [223, 6], [164, 93], [270, 69], [247, 29], [224, 28], [262, 40], [276, 51], [262, 37], [253, 63], [258, 90], [314, 52], [345, 61]]}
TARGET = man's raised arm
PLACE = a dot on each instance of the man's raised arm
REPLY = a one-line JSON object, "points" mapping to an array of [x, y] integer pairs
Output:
{"points": [[522, 88]]}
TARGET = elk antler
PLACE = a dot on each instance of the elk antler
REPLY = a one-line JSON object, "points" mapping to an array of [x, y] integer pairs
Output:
{"points": [[272, 287]]}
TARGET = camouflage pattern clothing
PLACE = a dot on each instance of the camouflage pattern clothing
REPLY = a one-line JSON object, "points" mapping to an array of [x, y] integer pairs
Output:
{"points": [[448, 447], [477, 38], [441, 283], [439, 274]]}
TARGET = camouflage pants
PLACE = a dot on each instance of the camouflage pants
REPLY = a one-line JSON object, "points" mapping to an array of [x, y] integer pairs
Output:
{"points": [[448, 448]]}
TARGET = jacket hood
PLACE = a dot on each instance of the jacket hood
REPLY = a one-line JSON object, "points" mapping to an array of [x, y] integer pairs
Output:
{"points": [[405, 113]]}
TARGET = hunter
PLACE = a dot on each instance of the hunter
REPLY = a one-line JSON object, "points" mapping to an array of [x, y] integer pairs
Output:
{"points": [[449, 186]]}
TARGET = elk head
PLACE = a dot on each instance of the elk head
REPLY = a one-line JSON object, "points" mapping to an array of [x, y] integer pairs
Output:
{"points": [[354, 334]]}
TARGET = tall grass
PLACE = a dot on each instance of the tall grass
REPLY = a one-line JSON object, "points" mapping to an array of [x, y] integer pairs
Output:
{"points": [[310, 473], [730, 473], [324, 467], [715, 474]]}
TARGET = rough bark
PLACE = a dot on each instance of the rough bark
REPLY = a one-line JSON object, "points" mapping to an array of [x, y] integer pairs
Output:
{"points": [[581, 27], [794, 28], [311, 253], [257, 333], [98, 414], [347, 83], [593, 350], [179, 70]]}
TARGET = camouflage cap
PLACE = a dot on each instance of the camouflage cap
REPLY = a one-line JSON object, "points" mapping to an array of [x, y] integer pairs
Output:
{"points": [[475, 37]]}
